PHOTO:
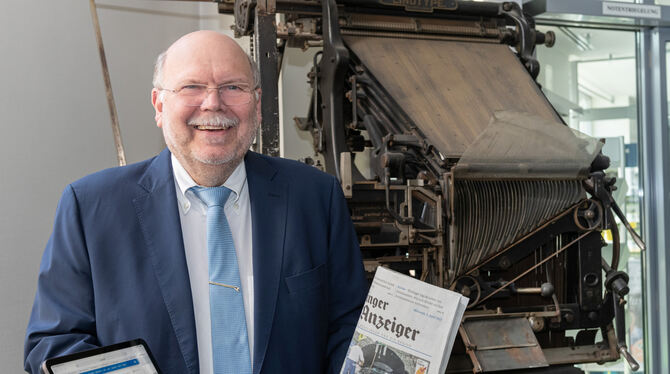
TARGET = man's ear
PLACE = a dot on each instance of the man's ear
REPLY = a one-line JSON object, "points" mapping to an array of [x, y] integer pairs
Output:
{"points": [[259, 115], [158, 106]]}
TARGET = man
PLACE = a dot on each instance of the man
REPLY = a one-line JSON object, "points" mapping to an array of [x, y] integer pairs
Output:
{"points": [[355, 359], [128, 257]]}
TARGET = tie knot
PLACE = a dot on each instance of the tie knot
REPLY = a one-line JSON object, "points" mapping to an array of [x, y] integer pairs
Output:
{"points": [[212, 196]]}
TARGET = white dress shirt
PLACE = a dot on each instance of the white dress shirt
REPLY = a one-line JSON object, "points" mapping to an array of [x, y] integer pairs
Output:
{"points": [[193, 215]]}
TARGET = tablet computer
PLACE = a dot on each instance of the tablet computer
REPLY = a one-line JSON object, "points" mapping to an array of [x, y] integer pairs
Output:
{"points": [[122, 358]]}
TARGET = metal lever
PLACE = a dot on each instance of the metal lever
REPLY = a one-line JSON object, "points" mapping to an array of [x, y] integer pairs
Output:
{"points": [[617, 285], [620, 321], [634, 366], [630, 229], [601, 187]]}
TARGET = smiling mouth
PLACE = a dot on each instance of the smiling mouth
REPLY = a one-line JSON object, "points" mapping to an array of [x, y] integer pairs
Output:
{"points": [[210, 127]]}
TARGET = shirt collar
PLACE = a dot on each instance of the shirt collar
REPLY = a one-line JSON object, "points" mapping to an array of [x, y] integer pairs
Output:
{"points": [[183, 180]]}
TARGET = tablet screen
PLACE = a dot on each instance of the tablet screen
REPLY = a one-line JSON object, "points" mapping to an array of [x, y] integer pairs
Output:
{"points": [[133, 359]]}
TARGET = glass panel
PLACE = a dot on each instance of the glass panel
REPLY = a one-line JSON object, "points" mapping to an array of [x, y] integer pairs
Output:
{"points": [[662, 2], [667, 74], [590, 77]]}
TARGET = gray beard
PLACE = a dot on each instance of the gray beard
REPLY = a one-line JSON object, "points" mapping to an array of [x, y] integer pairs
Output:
{"points": [[217, 120], [245, 144], [235, 156]]}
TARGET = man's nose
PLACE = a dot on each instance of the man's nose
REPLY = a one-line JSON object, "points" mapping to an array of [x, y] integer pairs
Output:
{"points": [[212, 100]]}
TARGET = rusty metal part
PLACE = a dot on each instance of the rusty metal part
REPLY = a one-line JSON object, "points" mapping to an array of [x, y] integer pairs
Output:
{"points": [[116, 130], [450, 85], [470, 349], [557, 308], [489, 30], [408, 233], [502, 344], [506, 346], [490, 215], [244, 11], [299, 32], [535, 266], [529, 290], [424, 266], [537, 323], [333, 68], [520, 240], [283, 34], [488, 314], [588, 215], [469, 287], [449, 186], [440, 267], [346, 174], [266, 6], [407, 257], [414, 6], [371, 265], [600, 352], [267, 56]]}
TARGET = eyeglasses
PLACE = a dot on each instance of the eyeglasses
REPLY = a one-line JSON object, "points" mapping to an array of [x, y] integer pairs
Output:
{"points": [[231, 94]]}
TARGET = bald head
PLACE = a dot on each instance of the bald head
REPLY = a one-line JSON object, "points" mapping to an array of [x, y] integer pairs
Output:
{"points": [[200, 44]]}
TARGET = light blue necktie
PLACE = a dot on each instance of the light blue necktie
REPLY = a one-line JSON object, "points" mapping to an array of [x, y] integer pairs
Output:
{"points": [[230, 343]]}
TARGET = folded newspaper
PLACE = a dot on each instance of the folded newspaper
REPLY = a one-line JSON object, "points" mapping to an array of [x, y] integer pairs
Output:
{"points": [[406, 327]]}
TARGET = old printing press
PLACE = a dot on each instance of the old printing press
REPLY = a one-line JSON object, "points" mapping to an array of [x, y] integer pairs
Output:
{"points": [[457, 169]]}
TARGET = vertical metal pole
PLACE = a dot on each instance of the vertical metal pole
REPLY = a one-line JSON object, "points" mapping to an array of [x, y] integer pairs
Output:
{"points": [[267, 56], [333, 70], [655, 151], [120, 154]]}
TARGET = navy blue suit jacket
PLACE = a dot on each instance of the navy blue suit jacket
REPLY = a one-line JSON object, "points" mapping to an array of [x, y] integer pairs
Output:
{"points": [[114, 269]]}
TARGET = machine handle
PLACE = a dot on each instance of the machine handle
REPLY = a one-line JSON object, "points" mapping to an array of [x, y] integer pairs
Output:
{"points": [[634, 366]]}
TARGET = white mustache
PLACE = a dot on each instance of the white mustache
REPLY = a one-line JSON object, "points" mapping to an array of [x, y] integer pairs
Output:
{"points": [[217, 120]]}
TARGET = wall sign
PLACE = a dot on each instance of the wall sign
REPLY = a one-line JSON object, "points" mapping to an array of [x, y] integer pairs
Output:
{"points": [[631, 10]]}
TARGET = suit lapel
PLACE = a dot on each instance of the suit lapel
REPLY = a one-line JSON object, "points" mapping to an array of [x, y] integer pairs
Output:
{"points": [[268, 198], [156, 208]]}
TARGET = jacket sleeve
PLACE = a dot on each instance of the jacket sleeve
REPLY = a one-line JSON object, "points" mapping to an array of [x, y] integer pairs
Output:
{"points": [[63, 316], [346, 280]]}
